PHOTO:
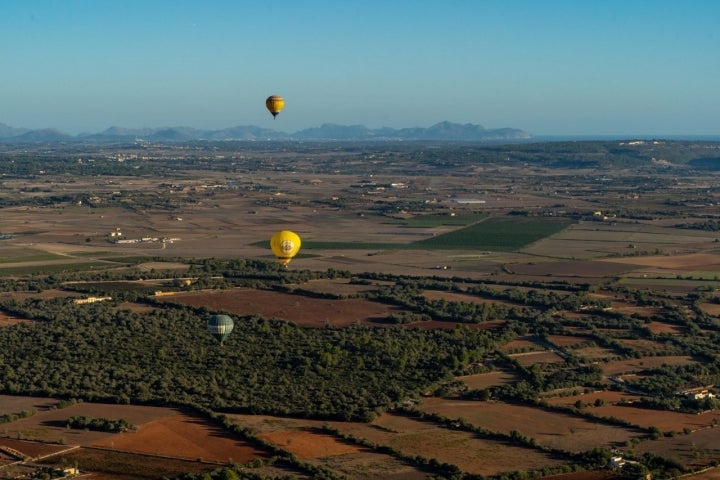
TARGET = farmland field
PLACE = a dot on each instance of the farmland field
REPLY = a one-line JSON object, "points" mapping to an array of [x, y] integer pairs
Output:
{"points": [[305, 311], [497, 234], [486, 380], [466, 450], [541, 357], [697, 449], [665, 420], [620, 367], [551, 429], [593, 274]]}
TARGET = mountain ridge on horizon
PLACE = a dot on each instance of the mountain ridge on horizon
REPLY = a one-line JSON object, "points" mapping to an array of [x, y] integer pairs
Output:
{"points": [[442, 131]]}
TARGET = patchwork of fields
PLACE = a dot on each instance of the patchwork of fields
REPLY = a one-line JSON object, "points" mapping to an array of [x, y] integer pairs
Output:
{"points": [[544, 325]]}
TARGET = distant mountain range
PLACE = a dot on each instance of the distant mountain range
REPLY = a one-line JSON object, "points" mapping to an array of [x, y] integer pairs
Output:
{"points": [[443, 131]]}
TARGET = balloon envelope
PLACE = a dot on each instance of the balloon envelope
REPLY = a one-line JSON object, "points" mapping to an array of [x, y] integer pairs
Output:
{"points": [[285, 245], [274, 104], [220, 326]]}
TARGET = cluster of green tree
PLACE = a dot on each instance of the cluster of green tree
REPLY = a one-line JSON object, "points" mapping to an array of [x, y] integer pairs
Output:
{"points": [[166, 356], [540, 378], [537, 298], [679, 403], [406, 292], [410, 297], [96, 352], [707, 225], [81, 422], [47, 473], [669, 380], [11, 417]]}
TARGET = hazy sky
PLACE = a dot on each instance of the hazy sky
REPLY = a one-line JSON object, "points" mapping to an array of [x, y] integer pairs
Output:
{"points": [[645, 67]]}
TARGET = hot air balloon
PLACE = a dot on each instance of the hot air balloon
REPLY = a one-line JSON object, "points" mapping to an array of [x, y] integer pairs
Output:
{"points": [[220, 327], [285, 245], [274, 104]]}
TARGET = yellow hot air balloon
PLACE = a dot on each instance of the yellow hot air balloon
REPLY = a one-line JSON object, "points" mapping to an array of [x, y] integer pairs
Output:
{"points": [[285, 245], [274, 104]]}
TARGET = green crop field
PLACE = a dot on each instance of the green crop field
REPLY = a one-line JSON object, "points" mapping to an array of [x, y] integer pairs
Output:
{"points": [[28, 255], [497, 233]]}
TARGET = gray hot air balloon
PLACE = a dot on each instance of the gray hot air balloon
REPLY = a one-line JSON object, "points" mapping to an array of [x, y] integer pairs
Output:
{"points": [[220, 326]]}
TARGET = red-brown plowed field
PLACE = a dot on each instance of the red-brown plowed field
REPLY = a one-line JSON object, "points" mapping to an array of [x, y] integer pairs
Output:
{"points": [[101, 464], [662, 419], [303, 437], [551, 429], [305, 311], [33, 449], [567, 340], [159, 431], [527, 359], [580, 269], [634, 365], [337, 286], [711, 309], [308, 444], [487, 380], [661, 327], [49, 425], [183, 436], [607, 396], [522, 344]]}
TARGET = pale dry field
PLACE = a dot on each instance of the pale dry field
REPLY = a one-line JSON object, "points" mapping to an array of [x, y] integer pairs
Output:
{"points": [[552, 429], [12, 404], [464, 449], [697, 450]]}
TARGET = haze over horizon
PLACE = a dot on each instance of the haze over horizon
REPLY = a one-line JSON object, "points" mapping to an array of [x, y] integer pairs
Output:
{"points": [[635, 67]]}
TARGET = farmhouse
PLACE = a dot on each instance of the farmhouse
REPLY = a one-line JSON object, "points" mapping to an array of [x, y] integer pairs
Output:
{"points": [[697, 393], [628, 468], [84, 301]]}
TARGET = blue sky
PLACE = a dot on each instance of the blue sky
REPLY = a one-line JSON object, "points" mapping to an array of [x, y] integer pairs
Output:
{"points": [[550, 67]]}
